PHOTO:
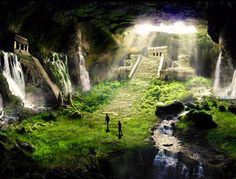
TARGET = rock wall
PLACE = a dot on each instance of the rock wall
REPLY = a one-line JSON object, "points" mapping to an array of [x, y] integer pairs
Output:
{"points": [[222, 27]]}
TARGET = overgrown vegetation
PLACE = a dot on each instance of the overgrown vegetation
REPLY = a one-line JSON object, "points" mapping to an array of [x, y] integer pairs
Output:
{"points": [[63, 142], [77, 143], [223, 136], [163, 92], [100, 94]]}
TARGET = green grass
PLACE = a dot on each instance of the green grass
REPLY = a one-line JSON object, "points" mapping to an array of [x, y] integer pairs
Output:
{"points": [[68, 143], [224, 136], [76, 143], [100, 95], [165, 92]]}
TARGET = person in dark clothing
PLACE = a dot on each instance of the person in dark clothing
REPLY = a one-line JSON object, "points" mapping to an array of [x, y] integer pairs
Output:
{"points": [[119, 129], [107, 119]]}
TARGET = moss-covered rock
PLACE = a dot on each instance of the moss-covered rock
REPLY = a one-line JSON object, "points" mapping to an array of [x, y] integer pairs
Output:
{"points": [[4, 88], [200, 119], [172, 109]]}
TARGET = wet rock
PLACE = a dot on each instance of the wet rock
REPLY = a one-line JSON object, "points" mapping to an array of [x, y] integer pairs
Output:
{"points": [[172, 109], [232, 109], [21, 130], [189, 106], [201, 119], [222, 108], [25, 146]]}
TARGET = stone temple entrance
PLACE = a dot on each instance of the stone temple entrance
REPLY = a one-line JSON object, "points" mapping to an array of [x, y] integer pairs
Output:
{"points": [[157, 64]]}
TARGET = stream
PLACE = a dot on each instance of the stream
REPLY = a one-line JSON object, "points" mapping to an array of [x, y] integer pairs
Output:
{"points": [[169, 158]]}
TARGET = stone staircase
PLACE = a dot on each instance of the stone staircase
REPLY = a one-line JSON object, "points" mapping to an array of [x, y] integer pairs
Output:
{"points": [[129, 96], [147, 68]]}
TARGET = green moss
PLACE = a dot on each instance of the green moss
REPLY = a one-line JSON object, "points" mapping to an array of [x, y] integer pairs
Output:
{"points": [[99, 95], [166, 92], [67, 143], [224, 136], [199, 81]]}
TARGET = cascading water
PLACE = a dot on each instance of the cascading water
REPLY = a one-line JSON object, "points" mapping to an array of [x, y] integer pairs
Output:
{"points": [[167, 161], [1, 107], [84, 75], [61, 68], [216, 85], [160, 66], [227, 91], [233, 86], [12, 70]]}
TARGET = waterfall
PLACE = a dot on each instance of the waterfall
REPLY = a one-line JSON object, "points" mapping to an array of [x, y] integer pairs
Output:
{"points": [[216, 84], [227, 91], [1, 102], [166, 165], [84, 75], [1, 107], [200, 171], [168, 162], [160, 66], [12, 70], [61, 68], [233, 86]]}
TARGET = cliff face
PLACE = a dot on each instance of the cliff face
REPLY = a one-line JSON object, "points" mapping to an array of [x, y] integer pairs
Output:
{"points": [[98, 27], [222, 27]]}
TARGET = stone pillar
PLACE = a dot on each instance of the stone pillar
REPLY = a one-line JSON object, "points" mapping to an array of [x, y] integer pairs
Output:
{"points": [[19, 46], [27, 48], [15, 44]]}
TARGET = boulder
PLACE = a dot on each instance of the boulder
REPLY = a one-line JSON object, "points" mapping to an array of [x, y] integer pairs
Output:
{"points": [[232, 109], [189, 106], [25, 146], [172, 109], [201, 119], [222, 108]]}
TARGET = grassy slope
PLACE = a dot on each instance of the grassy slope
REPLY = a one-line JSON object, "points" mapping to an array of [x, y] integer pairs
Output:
{"points": [[224, 136], [72, 143], [68, 142]]}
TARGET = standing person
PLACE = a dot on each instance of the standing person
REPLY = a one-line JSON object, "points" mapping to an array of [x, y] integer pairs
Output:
{"points": [[119, 129], [107, 119]]}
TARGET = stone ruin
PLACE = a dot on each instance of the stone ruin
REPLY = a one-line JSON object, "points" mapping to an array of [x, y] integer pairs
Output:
{"points": [[179, 70], [157, 52], [21, 45], [157, 64]]}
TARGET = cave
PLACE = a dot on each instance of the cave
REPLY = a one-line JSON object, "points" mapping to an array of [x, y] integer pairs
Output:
{"points": [[117, 89]]}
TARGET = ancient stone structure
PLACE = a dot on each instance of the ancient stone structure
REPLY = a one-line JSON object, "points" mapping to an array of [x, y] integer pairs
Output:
{"points": [[180, 69], [21, 45], [157, 52]]}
